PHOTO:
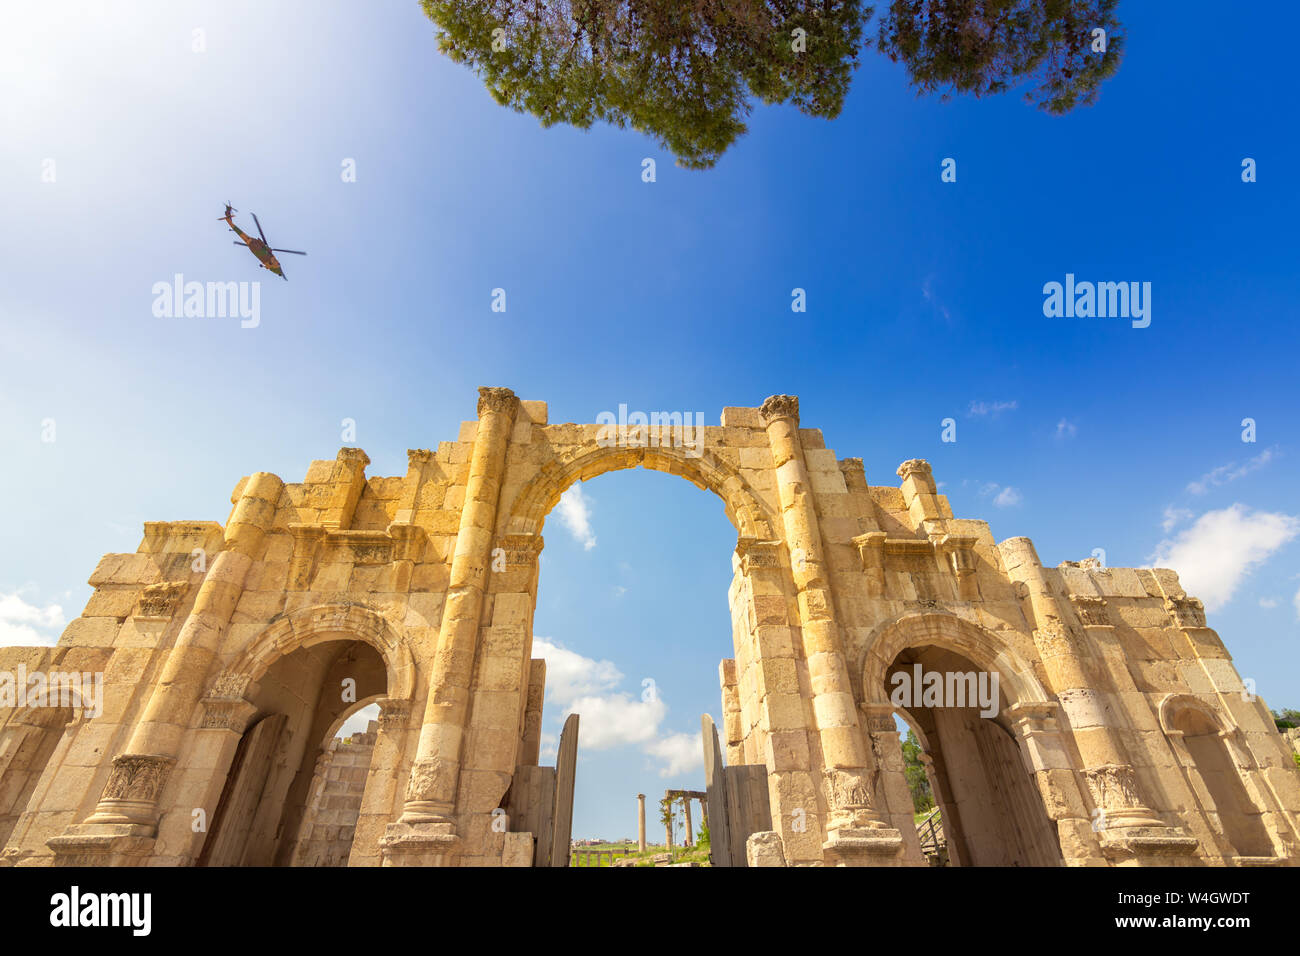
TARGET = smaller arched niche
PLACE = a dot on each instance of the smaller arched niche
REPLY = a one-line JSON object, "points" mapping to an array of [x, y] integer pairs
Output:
{"points": [[1202, 739]]}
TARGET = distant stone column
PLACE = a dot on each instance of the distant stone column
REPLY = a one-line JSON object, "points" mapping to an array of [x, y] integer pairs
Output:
{"points": [[689, 840], [640, 822]]}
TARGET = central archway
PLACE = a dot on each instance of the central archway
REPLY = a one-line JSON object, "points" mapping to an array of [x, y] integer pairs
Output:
{"points": [[759, 596]]}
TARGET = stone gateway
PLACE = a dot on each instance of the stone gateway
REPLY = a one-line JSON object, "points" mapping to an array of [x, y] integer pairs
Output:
{"points": [[231, 654]]}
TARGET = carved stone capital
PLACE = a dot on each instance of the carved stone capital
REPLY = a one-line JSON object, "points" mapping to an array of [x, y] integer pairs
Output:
{"points": [[433, 781], [408, 541], [914, 466], [755, 553], [418, 457], [878, 718], [394, 713], [352, 454], [520, 551], [226, 713], [496, 399], [158, 601], [131, 793], [871, 548], [1186, 612], [1113, 787], [1092, 610], [780, 406]]}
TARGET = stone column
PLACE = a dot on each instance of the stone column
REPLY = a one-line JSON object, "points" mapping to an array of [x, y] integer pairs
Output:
{"points": [[846, 763], [640, 822], [1077, 678], [431, 794], [139, 774], [689, 839]]}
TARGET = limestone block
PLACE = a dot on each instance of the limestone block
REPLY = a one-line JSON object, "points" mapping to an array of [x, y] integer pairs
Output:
{"points": [[765, 848]]}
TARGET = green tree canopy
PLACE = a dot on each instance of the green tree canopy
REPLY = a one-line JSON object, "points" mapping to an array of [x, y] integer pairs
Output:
{"points": [[914, 770], [686, 71], [682, 72], [984, 47]]}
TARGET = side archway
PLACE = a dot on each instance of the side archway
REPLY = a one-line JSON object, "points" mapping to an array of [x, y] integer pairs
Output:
{"points": [[315, 625], [984, 766]]}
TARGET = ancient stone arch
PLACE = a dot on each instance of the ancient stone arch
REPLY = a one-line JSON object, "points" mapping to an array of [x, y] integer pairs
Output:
{"points": [[309, 626], [981, 647], [747, 512], [437, 571]]}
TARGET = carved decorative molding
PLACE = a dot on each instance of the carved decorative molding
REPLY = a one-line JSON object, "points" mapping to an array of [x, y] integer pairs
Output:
{"points": [[850, 789], [158, 601], [408, 541], [1093, 611], [361, 547], [780, 406], [521, 550], [1186, 612], [960, 550], [226, 713], [394, 714], [755, 553], [229, 685], [871, 548], [878, 718], [913, 546], [496, 399]]}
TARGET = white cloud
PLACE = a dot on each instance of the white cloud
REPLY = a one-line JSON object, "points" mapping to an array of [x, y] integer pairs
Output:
{"points": [[614, 720], [679, 752], [1007, 497], [1269, 602], [569, 675], [24, 624], [1230, 472], [609, 718], [1221, 548], [1296, 602], [1066, 429], [1174, 516], [980, 409], [575, 513], [1003, 497]]}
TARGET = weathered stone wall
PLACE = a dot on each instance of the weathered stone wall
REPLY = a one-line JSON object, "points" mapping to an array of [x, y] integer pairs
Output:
{"points": [[340, 780], [436, 571]]}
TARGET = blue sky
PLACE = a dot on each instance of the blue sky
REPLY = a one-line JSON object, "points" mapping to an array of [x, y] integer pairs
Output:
{"points": [[924, 302]]}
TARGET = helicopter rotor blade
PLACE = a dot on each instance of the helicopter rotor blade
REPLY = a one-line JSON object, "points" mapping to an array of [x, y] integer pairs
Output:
{"points": [[259, 229], [294, 251]]}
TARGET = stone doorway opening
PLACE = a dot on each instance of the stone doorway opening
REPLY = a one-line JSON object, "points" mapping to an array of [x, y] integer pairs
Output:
{"points": [[292, 795], [987, 799]]}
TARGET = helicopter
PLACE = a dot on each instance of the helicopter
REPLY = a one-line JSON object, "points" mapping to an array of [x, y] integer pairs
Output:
{"points": [[259, 247]]}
